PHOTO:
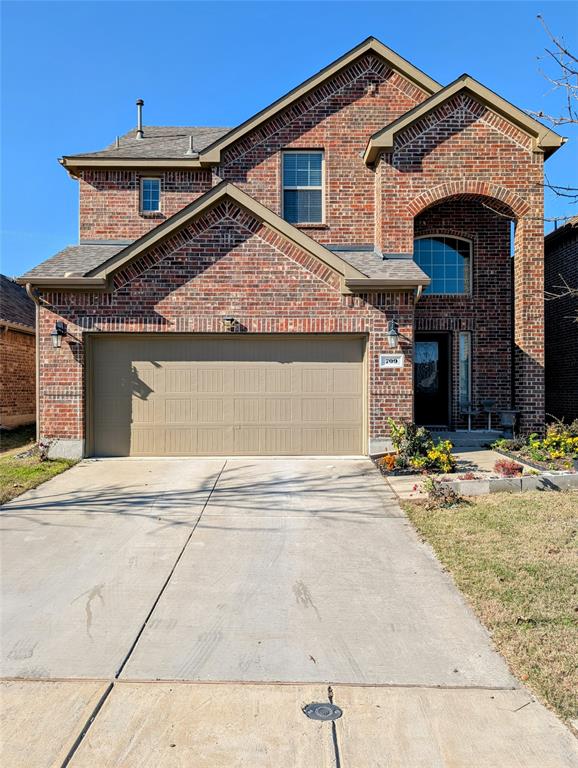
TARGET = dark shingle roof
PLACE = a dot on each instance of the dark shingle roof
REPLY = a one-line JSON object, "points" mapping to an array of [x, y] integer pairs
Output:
{"points": [[76, 259], [376, 267], [159, 142], [15, 304]]}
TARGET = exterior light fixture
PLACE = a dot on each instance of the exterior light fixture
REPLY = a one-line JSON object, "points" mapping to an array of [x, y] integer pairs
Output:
{"points": [[229, 323], [57, 334], [392, 334]]}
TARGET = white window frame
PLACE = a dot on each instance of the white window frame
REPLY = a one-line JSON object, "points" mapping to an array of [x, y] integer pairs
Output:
{"points": [[141, 196], [467, 240], [466, 335], [322, 187]]}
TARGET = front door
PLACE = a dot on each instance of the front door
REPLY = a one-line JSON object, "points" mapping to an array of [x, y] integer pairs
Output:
{"points": [[431, 379]]}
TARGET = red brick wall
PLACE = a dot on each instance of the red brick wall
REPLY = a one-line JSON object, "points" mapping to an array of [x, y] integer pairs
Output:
{"points": [[110, 201], [561, 266], [224, 263], [464, 149], [486, 312], [17, 378], [338, 117]]}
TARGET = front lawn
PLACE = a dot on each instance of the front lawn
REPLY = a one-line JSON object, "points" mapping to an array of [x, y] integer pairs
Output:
{"points": [[515, 558], [21, 472]]}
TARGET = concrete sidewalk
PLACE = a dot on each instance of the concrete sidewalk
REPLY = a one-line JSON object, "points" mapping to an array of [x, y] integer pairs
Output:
{"points": [[195, 606]]}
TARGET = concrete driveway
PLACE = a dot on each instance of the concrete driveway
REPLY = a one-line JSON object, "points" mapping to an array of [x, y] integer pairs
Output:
{"points": [[158, 612]]}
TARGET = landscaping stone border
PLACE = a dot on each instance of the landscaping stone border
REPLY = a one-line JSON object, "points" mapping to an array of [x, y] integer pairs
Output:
{"points": [[564, 481]]}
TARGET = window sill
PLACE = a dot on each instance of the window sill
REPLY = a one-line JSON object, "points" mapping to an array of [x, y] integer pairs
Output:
{"points": [[311, 226], [152, 214]]}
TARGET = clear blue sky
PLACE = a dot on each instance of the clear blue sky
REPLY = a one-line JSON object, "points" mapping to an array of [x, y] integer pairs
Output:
{"points": [[71, 72]]}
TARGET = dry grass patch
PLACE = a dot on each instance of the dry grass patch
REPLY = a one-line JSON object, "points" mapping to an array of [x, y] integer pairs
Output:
{"points": [[19, 473], [515, 558]]}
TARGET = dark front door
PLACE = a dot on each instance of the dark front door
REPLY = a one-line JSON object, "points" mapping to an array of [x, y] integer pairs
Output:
{"points": [[431, 379]]}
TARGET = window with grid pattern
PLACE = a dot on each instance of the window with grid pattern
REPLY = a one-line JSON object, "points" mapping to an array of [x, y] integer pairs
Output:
{"points": [[303, 187], [150, 195], [447, 261]]}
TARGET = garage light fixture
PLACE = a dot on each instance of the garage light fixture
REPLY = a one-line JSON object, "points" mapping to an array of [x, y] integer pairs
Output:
{"points": [[229, 323], [392, 334], [59, 331]]}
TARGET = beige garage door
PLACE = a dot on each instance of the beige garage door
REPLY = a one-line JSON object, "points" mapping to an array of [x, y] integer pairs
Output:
{"points": [[226, 395]]}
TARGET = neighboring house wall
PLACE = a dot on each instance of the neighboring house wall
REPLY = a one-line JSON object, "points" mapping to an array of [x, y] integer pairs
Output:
{"points": [[486, 312], [231, 264], [17, 377], [561, 265]]}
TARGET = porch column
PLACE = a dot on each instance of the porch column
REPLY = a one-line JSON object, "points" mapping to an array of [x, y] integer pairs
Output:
{"points": [[529, 385]]}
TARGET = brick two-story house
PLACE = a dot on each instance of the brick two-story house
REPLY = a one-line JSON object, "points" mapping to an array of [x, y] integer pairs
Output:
{"points": [[284, 286]]}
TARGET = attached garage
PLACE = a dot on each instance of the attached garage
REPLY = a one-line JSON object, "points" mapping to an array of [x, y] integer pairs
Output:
{"points": [[237, 394]]}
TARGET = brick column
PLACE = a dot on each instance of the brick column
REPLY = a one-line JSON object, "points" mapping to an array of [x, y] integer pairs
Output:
{"points": [[529, 389]]}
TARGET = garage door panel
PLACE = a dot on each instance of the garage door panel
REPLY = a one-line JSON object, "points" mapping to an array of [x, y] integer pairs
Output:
{"points": [[256, 395]]}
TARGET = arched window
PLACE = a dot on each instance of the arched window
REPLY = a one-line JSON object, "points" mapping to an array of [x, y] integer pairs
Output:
{"points": [[447, 260]]}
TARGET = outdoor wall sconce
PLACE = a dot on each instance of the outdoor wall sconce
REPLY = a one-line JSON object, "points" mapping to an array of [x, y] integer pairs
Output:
{"points": [[229, 323], [393, 334], [59, 331]]}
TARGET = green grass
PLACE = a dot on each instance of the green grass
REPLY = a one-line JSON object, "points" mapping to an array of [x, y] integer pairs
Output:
{"points": [[21, 474], [515, 557]]}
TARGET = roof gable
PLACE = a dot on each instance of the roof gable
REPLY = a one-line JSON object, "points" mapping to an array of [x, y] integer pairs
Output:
{"points": [[212, 154], [544, 138]]}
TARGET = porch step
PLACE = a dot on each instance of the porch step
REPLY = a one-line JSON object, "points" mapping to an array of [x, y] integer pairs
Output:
{"points": [[475, 439]]}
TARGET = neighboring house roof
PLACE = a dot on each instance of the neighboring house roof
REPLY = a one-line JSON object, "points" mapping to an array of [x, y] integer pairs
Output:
{"points": [[544, 138], [91, 265], [569, 228], [16, 307], [159, 150]]}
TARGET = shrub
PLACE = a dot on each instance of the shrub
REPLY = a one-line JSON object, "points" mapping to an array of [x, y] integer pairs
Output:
{"points": [[508, 468], [416, 448]]}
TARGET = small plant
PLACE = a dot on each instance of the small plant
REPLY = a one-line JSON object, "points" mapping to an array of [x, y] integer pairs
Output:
{"points": [[440, 494], [416, 448], [43, 448], [508, 468], [387, 463], [468, 476]]}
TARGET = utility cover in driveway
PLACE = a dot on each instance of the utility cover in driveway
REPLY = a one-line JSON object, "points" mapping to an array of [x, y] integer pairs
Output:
{"points": [[174, 395]]}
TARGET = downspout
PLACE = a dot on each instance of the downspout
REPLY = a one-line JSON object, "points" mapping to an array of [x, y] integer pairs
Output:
{"points": [[36, 301]]}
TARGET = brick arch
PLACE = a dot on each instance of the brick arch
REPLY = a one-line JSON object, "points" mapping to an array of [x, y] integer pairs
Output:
{"points": [[469, 190]]}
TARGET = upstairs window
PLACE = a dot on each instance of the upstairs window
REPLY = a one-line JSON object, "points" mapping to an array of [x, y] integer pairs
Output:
{"points": [[150, 195], [303, 187], [447, 261]]}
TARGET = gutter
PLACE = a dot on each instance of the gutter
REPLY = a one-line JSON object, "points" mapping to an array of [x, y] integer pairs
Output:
{"points": [[378, 284], [63, 283], [21, 328]]}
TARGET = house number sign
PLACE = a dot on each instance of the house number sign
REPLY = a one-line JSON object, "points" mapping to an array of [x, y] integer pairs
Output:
{"points": [[391, 360]]}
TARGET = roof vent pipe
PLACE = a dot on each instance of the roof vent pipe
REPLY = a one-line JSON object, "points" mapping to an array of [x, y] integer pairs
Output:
{"points": [[191, 150], [139, 106]]}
